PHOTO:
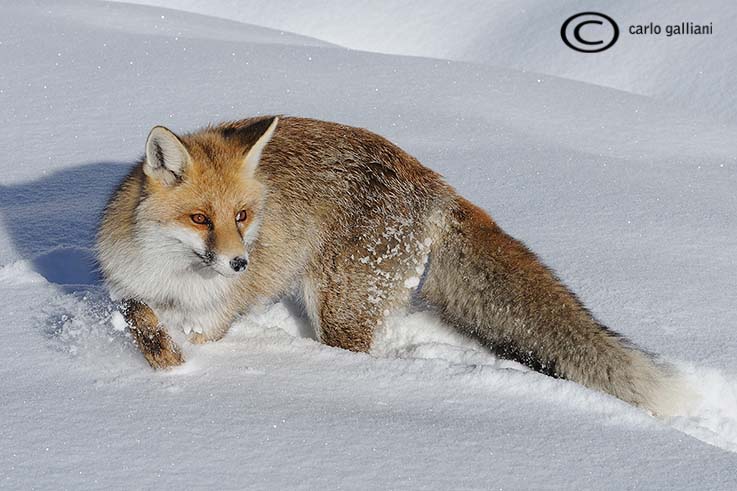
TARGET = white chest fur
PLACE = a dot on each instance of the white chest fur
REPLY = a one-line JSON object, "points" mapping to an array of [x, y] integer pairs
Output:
{"points": [[164, 274]]}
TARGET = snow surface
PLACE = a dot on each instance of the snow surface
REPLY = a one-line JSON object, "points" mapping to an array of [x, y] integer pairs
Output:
{"points": [[631, 199], [696, 72]]}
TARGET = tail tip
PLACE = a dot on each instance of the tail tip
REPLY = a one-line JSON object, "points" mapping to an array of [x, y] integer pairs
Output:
{"points": [[672, 396]]}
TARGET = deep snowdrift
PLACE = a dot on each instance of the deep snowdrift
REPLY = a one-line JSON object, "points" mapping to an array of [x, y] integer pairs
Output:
{"points": [[630, 200], [696, 72]]}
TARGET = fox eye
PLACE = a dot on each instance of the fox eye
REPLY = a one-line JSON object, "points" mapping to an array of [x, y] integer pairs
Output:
{"points": [[241, 216], [200, 219]]}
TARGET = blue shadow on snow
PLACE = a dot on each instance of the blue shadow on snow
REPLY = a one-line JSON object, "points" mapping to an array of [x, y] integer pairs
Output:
{"points": [[52, 221]]}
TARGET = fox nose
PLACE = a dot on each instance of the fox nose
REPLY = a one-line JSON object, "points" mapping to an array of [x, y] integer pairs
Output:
{"points": [[238, 263]]}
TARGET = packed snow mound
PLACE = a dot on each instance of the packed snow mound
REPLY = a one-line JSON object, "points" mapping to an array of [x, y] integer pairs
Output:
{"points": [[168, 23], [631, 200], [691, 71]]}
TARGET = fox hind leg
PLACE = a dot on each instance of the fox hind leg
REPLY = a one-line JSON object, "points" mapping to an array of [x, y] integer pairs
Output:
{"points": [[338, 314], [348, 295], [346, 306]]}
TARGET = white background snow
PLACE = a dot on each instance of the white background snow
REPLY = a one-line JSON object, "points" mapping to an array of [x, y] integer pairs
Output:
{"points": [[621, 175]]}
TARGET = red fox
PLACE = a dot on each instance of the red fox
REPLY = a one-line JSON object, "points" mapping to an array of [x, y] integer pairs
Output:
{"points": [[211, 223]]}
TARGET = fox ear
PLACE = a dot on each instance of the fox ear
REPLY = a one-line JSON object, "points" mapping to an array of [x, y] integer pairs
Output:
{"points": [[250, 163], [166, 157]]}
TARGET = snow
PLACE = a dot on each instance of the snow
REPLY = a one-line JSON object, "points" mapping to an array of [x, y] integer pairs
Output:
{"points": [[629, 197], [695, 72], [411, 282]]}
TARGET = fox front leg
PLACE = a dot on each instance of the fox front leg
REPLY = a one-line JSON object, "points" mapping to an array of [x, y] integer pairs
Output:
{"points": [[197, 338], [206, 327], [152, 339]]}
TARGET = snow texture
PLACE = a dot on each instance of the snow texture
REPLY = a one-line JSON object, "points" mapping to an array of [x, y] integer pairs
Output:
{"points": [[693, 72], [630, 198]]}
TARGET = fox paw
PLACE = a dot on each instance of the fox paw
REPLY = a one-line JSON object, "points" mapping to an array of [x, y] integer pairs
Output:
{"points": [[159, 350], [197, 338]]}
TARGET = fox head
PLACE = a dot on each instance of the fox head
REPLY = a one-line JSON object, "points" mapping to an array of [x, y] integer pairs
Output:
{"points": [[202, 202]]}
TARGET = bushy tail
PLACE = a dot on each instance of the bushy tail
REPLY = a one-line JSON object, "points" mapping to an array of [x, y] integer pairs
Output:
{"points": [[492, 287]]}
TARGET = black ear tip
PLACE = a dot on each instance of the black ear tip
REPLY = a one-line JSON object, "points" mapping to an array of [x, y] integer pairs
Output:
{"points": [[265, 123], [248, 131]]}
